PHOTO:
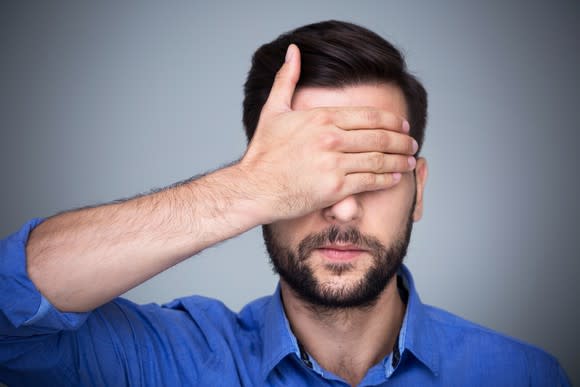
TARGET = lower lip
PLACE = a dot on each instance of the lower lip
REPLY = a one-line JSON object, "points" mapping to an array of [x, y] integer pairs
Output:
{"points": [[340, 255]]}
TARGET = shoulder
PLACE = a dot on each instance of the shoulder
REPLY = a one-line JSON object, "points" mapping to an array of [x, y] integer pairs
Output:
{"points": [[189, 313], [473, 345], [458, 331], [198, 338], [206, 320], [216, 311], [213, 317]]}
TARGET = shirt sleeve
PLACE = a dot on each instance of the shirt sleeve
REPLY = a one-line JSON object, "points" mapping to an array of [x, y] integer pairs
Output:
{"points": [[23, 309], [119, 343]]}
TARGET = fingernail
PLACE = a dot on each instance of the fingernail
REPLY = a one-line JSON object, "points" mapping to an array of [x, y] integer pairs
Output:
{"points": [[406, 126], [289, 54], [412, 162], [396, 177], [415, 146]]}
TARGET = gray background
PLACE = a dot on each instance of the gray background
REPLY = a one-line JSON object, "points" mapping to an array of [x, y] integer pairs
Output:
{"points": [[105, 100]]}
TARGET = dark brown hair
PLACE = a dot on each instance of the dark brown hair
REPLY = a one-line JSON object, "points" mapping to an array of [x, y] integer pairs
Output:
{"points": [[334, 54]]}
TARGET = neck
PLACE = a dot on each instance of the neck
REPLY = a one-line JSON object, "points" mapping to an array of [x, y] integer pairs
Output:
{"points": [[347, 342]]}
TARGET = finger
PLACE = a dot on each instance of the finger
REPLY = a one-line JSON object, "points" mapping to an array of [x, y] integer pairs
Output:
{"points": [[280, 98], [363, 182], [376, 162], [369, 118], [385, 141]]}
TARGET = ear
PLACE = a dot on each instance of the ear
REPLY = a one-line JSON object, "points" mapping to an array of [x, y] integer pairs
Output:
{"points": [[421, 173]]}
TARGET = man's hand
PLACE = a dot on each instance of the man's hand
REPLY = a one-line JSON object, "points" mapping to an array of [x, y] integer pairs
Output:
{"points": [[301, 161]]}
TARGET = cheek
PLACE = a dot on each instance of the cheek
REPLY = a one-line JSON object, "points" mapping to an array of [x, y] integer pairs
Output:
{"points": [[387, 211], [290, 232]]}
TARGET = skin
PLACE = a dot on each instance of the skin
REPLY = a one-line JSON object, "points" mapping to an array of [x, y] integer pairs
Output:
{"points": [[348, 342], [299, 165]]}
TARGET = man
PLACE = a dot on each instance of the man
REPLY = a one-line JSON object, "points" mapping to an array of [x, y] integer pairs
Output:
{"points": [[335, 124]]}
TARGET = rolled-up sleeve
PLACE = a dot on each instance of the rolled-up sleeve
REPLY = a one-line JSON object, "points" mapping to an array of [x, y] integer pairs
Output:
{"points": [[23, 309], [32, 345], [118, 343]]}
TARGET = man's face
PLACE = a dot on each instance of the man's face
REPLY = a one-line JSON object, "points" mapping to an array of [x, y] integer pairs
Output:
{"points": [[344, 255]]}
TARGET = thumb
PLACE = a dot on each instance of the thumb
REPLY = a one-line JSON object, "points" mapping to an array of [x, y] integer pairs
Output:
{"points": [[280, 98]]}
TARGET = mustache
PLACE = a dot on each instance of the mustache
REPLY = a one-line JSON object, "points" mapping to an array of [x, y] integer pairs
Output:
{"points": [[335, 234]]}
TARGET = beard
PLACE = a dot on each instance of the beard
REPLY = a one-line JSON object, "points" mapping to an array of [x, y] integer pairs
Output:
{"points": [[293, 266]]}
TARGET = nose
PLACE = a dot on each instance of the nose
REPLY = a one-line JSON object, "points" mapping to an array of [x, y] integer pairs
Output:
{"points": [[347, 210]]}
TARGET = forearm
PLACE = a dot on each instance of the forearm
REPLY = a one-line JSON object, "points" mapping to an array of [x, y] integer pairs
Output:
{"points": [[84, 258]]}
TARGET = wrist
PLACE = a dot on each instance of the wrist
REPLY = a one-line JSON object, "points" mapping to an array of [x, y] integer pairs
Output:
{"points": [[237, 197], [255, 198]]}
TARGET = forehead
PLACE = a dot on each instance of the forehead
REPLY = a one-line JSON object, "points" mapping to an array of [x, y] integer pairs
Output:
{"points": [[384, 96]]}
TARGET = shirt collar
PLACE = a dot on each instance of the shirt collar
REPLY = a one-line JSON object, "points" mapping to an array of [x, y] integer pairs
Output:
{"points": [[416, 335], [278, 341]]}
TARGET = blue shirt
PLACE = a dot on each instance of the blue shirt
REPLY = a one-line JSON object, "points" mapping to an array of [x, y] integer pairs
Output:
{"points": [[197, 341]]}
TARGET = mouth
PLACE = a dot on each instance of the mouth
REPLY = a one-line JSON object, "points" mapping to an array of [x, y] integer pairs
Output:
{"points": [[341, 253]]}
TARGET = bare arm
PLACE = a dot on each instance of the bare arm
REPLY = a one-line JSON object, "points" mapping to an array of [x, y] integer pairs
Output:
{"points": [[297, 162], [82, 259]]}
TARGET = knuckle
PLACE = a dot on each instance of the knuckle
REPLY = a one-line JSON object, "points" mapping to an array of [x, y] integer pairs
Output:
{"points": [[328, 163], [329, 140], [335, 183], [322, 117], [377, 161], [372, 118], [382, 180], [383, 141], [400, 164], [370, 180]]}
